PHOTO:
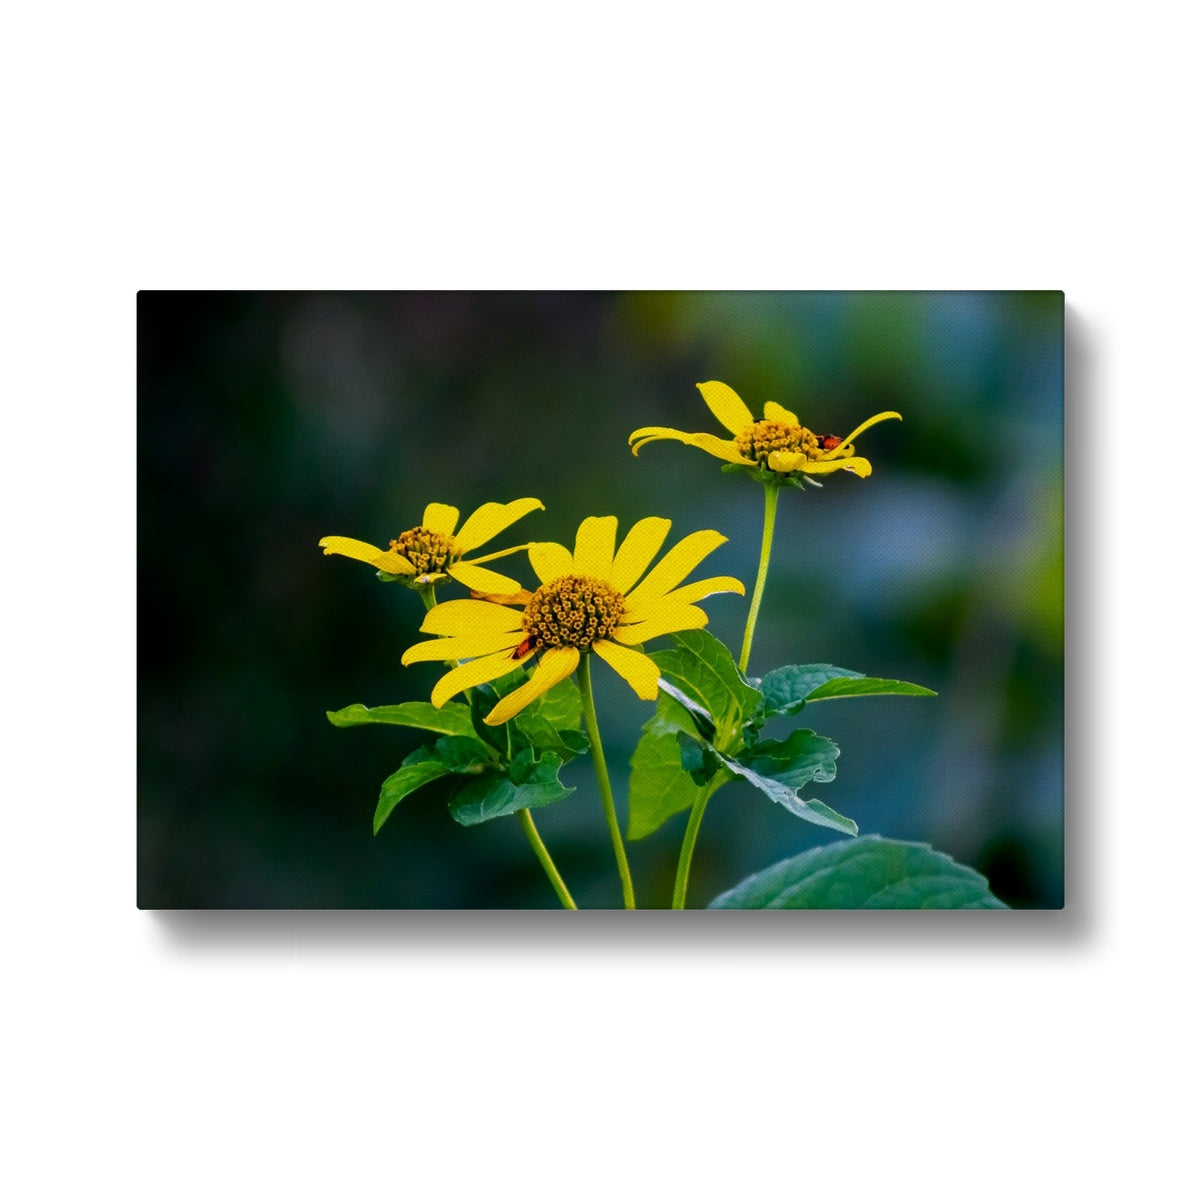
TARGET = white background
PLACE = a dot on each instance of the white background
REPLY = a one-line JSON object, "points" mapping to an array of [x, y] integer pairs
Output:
{"points": [[862, 145]]}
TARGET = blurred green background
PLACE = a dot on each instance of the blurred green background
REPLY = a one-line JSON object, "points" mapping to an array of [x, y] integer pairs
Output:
{"points": [[267, 420]]}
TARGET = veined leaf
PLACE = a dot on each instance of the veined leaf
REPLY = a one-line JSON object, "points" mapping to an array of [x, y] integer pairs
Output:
{"points": [[701, 667], [803, 757], [412, 775], [809, 810], [872, 872], [531, 783], [417, 714], [659, 787], [787, 689]]}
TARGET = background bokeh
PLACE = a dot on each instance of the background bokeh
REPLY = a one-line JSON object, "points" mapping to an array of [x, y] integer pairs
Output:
{"points": [[267, 420]]}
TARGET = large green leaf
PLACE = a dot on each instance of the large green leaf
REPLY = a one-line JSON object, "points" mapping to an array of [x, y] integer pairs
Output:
{"points": [[417, 714], [415, 773], [703, 669], [530, 783], [872, 872], [787, 689], [551, 722], [803, 757], [659, 787], [809, 810]]}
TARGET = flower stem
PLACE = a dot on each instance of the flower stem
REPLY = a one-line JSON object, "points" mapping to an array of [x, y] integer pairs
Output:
{"points": [[679, 899], [539, 848], [771, 491], [606, 795], [428, 597]]}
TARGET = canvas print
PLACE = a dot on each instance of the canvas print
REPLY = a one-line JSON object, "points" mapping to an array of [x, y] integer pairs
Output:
{"points": [[600, 600]]}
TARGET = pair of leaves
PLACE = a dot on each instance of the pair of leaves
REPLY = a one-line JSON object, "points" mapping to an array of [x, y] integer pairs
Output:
{"points": [[494, 770], [707, 725], [872, 872]]}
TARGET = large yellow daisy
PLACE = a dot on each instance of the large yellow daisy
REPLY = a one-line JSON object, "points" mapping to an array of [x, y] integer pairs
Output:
{"points": [[431, 553], [777, 442], [589, 601]]}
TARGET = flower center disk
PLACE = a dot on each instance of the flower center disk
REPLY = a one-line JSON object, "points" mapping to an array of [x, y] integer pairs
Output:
{"points": [[765, 437], [575, 610], [429, 552]]}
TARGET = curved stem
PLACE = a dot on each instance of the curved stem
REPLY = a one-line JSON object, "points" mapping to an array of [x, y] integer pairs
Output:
{"points": [[539, 848], [606, 795], [679, 899], [771, 491]]}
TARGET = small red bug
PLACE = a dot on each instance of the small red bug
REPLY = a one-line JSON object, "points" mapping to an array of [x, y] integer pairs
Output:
{"points": [[827, 441], [523, 649]]}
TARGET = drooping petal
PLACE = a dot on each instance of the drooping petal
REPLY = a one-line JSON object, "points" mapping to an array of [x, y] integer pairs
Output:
{"points": [[490, 519], [441, 518], [776, 412], [550, 560], [637, 669], [726, 405], [709, 443], [471, 674], [383, 560], [670, 618], [480, 579], [790, 460], [461, 618], [884, 416], [555, 666], [472, 645], [594, 544], [677, 564], [688, 594], [637, 551]]}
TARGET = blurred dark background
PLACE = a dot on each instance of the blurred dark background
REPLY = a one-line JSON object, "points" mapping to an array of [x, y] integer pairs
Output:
{"points": [[267, 420]]}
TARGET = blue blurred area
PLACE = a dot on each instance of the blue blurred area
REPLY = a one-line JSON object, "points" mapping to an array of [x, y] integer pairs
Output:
{"points": [[267, 420]]}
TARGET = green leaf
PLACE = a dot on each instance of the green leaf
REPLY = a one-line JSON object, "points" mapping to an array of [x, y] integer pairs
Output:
{"points": [[463, 755], [659, 787], [530, 783], [698, 759], [560, 707], [450, 718], [803, 757], [835, 689], [415, 773], [703, 669], [787, 689], [551, 722], [872, 872], [809, 810]]}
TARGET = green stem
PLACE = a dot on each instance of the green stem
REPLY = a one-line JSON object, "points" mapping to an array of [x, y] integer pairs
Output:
{"points": [[428, 597], [771, 491], [606, 795], [679, 899], [539, 848]]}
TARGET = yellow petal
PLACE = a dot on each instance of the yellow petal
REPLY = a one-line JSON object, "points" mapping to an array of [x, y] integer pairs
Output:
{"points": [[480, 670], [677, 564], [636, 668], [637, 551], [555, 666], [594, 544], [461, 618], [687, 594], [441, 518], [776, 412], [884, 416], [668, 619], [788, 460], [383, 560], [490, 519], [470, 646], [480, 579], [549, 560], [726, 406], [709, 443]]}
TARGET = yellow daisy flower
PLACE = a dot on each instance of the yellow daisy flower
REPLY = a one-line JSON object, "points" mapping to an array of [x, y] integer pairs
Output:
{"points": [[431, 553], [589, 601], [778, 442]]}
